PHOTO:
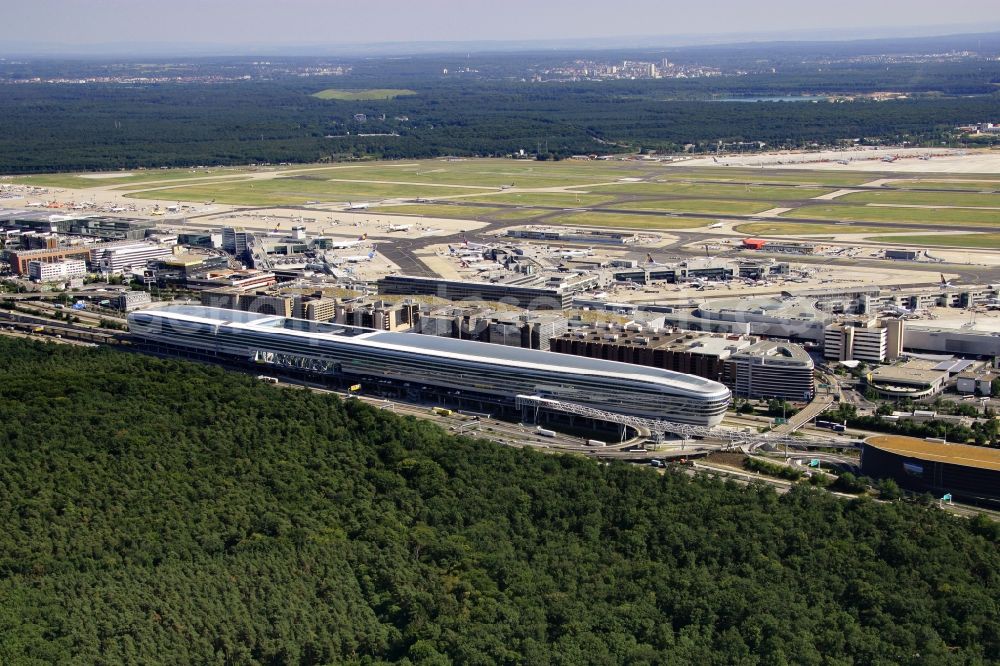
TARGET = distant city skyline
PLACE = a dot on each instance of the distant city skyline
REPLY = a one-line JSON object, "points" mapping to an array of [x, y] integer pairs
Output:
{"points": [[255, 26]]}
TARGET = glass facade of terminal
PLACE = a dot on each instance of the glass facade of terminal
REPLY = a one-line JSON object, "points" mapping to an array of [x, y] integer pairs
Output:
{"points": [[457, 365]]}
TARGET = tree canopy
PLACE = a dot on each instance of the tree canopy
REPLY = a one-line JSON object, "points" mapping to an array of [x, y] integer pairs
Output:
{"points": [[167, 512], [68, 127]]}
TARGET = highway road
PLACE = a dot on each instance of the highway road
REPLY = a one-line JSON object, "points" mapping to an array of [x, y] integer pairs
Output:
{"points": [[839, 460], [782, 486], [818, 405], [520, 435], [504, 432], [86, 316]]}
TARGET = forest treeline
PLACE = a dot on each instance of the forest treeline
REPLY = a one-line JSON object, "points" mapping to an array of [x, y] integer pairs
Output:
{"points": [[71, 127], [160, 511]]}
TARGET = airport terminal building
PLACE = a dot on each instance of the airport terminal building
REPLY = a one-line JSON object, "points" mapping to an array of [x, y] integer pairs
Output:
{"points": [[423, 366]]}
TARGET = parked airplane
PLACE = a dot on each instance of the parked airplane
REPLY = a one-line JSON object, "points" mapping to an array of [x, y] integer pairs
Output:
{"points": [[571, 254], [357, 258], [700, 283], [400, 227], [474, 246], [464, 252], [343, 245], [897, 310], [750, 282], [945, 283], [653, 262]]}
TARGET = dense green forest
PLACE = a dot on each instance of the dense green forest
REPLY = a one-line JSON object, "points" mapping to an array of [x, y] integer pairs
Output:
{"points": [[984, 432], [69, 126], [166, 512]]}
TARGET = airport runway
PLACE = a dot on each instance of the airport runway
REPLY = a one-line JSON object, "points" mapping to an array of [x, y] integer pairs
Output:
{"points": [[739, 219], [403, 251]]}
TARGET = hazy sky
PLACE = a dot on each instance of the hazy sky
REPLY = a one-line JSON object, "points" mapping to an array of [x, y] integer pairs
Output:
{"points": [[255, 23]]}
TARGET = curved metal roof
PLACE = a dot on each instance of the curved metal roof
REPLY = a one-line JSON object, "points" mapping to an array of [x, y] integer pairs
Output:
{"points": [[952, 454], [459, 350]]}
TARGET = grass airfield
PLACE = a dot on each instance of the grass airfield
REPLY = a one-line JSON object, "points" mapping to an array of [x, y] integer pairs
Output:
{"points": [[363, 95], [632, 194]]}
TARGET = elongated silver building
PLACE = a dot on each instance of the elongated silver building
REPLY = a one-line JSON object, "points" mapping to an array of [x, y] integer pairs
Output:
{"points": [[494, 372]]}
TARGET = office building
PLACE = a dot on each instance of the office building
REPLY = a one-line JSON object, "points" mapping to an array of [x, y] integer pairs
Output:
{"points": [[19, 259], [228, 277], [248, 301], [315, 308], [309, 307], [871, 340], [528, 330], [32, 240], [429, 365], [528, 294], [57, 271], [200, 239], [380, 315], [133, 300], [681, 351], [769, 369], [105, 228], [235, 240], [115, 258], [178, 268], [108, 228], [751, 368]]}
